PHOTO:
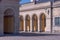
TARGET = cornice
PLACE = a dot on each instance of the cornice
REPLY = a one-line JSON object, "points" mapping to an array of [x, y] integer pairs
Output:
{"points": [[55, 5], [35, 8]]}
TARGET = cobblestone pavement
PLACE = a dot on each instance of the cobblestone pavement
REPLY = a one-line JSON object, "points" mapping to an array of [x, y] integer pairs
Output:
{"points": [[30, 37]]}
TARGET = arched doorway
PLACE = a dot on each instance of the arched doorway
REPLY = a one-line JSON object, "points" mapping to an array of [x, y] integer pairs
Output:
{"points": [[34, 23], [42, 22], [27, 23], [9, 21], [21, 23]]}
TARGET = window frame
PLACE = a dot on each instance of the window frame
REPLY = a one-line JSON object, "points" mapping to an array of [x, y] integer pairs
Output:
{"points": [[57, 21]]}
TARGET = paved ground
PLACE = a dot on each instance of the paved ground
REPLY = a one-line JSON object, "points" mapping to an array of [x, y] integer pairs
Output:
{"points": [[31, 36]]}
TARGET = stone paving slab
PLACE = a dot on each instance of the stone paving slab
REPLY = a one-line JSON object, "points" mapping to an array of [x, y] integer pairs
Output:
{"points": [[30, 37]]}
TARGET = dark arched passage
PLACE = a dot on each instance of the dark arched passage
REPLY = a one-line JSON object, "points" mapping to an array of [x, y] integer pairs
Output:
{"points": [[42, 22], [34, 23], [21, 23], [27, 22]]}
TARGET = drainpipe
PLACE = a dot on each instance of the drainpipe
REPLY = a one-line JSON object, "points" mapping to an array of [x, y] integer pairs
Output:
{"points": [[51, 16]]}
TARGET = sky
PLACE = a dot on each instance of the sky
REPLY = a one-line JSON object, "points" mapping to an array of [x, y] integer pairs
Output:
{"points": [[24, 1]]}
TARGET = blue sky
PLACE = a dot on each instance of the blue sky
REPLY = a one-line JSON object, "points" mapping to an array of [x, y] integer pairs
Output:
{"points": [[24, 1]]}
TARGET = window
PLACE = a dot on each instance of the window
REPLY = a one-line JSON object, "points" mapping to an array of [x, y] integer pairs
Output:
{"points": [[56, 0], [57, 21]]}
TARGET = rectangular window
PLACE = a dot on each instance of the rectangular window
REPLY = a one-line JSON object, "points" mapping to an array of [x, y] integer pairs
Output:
{"points": [[56, 0], [57, 21]]}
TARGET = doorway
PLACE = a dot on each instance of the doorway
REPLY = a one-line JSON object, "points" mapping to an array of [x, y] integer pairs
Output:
{"points": [[8, 24]]}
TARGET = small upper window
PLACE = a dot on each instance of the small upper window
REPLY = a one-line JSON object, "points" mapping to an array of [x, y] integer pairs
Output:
{"points": [[57, 21]]}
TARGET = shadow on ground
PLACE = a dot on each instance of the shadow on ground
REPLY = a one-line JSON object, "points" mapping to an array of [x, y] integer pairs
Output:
{"points": [[30, 34]]}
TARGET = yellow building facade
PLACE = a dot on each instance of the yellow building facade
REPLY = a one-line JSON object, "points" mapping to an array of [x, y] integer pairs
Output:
{"points": [[36, 17]]}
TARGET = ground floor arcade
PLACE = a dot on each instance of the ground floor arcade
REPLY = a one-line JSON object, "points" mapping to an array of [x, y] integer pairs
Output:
{"points": [[33, 25]]}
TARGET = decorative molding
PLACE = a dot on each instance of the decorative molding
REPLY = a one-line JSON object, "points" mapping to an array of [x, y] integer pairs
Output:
{"points": [[34, 9]]}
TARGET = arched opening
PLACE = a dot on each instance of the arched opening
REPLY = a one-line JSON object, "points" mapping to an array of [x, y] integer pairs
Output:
{"points": [[21, 23], [27, 22], [34, 23], [9, 21], [42, 22]]}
